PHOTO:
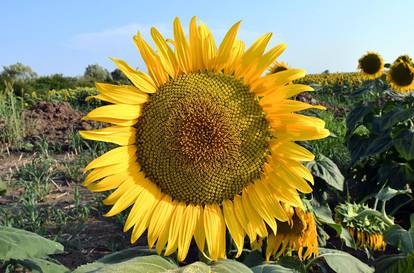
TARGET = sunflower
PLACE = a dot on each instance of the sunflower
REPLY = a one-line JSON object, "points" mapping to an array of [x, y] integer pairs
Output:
{"points": [[207, 142], [401, 75], [297, 234], [371, 65], [278, 67], [367, 231]]}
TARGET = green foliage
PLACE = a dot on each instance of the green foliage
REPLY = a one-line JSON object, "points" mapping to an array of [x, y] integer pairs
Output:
{"points": [[400, 263], [325, 169], [401, 238], [342, 262], [11, 123], [380, 139], [28, 249], [95, 72]]}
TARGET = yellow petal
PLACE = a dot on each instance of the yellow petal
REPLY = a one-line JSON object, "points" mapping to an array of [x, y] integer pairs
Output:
{"points": [[114, 111], [152, 60], [102, 172], [166, 54], [278, 106], [125, 186], [262, 208], [138, 78], [264, 62], [209, 49], [114, 134], [199, 234], [177, 223], [109, 182], [226, 47], [144, 207], [159, 219], [215, 230], [122, 94], [251, 56], [114, 156], [124, 201], [235, 229], [291, 150], [182, 49], [267, 84], [195, 46], [255, 221], [242, 218], [191, 215]]}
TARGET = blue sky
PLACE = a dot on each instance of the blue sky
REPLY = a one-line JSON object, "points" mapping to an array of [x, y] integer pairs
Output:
{"points": [[66, 36]]}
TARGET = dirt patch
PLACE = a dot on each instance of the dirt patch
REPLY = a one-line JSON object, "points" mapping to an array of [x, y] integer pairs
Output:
{"points": [[53, 121]]}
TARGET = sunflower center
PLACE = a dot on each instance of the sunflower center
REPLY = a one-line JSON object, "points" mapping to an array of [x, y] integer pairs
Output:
{"points": [[202, 137], [371, 64], [401, 74]]}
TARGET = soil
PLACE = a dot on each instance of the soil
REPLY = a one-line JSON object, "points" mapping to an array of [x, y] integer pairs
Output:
{"points": [[53, 121]]}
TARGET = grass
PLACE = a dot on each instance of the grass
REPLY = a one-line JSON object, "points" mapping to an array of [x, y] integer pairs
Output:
{"points": [[11, 121]]}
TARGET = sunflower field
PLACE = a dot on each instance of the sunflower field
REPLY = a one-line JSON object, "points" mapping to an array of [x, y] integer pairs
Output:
{"points": [[216, 157]]}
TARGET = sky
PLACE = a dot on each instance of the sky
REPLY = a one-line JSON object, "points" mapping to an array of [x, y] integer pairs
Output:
{"points": [[65, 36]]}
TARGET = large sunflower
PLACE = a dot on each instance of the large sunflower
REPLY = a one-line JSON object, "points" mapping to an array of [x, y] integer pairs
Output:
{"points": [[206, 142]]}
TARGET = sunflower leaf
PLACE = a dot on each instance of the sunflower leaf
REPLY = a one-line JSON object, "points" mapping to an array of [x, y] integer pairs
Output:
{"points": [[397, 263], [342, 262], [328, 171], [124, 261], [229, 266], [21, 244], [37, 265], [272, 268]]}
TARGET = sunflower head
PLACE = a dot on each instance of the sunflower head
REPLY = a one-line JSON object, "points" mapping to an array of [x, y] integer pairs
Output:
{"points": [[400, 76], [208, 142], [371, 65], [278, 67], [367, 230], [405, 59], [297, 234]]}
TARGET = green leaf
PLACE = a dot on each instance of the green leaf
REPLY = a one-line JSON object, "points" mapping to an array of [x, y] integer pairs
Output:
{"points": [[292, 262], [197, 267], [392, 117], [140, 264], [342, 262], [271, 268], [229, 266], [401, 238], [404, 144], [387, 193], [3, 187], [20, 244], [398, 263], [37, 265], [378, 145], [328, 171], [324, 215], [356, 116], [398, 174]]}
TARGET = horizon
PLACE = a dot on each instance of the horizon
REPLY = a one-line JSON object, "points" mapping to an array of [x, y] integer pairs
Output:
{"points": [[49, 40]]}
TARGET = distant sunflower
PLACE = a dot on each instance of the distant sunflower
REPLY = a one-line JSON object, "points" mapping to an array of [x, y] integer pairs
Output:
{"points": [[196, 139], [278, 67], [401, 75], [371, 65], [367, 231], [297, 234]]}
